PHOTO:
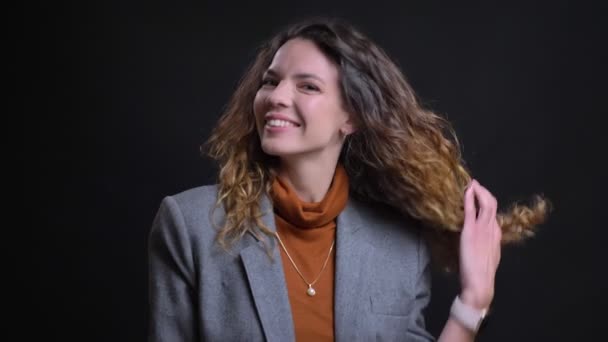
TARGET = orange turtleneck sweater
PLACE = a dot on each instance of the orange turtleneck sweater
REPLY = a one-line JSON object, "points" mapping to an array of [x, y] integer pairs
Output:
{"points": [[308, 231]]}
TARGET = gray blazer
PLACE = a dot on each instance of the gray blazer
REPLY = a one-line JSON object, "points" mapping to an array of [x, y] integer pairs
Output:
{"points": [[200, 292]]}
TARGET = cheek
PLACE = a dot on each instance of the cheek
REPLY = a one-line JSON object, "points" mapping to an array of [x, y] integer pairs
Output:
{"points": [[257, 102], [323, 116], [258, 106]]}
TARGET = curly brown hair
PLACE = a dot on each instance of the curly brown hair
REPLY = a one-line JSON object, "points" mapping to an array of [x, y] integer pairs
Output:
{"points": [[401, 154]]}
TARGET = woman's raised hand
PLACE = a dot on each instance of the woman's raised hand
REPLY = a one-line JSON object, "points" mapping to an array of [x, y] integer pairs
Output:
{"points": [[479, 247]]}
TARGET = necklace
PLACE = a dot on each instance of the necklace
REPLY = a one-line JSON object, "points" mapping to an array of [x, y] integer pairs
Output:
{"points": [[311, 290]]}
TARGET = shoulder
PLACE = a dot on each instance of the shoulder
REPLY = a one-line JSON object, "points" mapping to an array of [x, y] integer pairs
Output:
{"points": [[188, 212], [193, 200]]}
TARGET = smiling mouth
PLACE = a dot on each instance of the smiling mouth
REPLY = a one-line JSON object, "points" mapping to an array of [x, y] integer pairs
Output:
{"points": [[280, 123]]}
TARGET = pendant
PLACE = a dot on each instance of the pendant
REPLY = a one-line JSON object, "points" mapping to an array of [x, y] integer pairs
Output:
{"points": [[311, 292]]}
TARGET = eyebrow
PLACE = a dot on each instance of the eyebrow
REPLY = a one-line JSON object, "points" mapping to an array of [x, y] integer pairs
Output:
{"points": [[301, 75]]}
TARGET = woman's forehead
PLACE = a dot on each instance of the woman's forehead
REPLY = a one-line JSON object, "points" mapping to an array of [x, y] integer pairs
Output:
{"points": [[302, 56]]}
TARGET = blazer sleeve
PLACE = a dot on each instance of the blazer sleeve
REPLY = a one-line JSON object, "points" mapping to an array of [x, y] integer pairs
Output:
{"points": [[417, 331], [172, 294]]}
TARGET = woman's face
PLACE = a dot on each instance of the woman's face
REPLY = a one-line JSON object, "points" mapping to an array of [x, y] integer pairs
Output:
{"points": [[298, 108]]}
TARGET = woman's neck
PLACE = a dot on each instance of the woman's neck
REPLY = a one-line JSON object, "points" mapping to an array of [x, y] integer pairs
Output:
{"points": [[309, 179]]}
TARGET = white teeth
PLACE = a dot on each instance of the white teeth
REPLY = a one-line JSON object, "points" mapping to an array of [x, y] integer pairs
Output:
{"points": [[279, 123]]}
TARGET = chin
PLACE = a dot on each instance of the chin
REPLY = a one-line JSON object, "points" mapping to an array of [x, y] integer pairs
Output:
{"points": [[276, 151], [279, 150]]}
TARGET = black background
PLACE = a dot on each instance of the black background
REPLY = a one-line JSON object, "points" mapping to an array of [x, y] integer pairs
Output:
{"points": [[120, 94]]}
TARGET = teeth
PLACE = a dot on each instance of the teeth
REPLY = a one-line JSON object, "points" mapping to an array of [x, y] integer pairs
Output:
{"points": [[279, 123]]}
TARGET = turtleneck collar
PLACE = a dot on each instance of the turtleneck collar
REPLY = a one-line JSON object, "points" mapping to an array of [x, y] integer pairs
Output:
{"points": [[302, 214]]}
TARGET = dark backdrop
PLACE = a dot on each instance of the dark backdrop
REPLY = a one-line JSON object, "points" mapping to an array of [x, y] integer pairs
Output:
{"points": [[122, 93]]}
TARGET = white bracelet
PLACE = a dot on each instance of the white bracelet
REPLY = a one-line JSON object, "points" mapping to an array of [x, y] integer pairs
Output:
{"points": [[471, 318]]}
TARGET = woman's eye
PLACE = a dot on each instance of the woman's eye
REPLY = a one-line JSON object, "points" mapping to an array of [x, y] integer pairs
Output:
{"points": [[268, 81], [310, 87]]}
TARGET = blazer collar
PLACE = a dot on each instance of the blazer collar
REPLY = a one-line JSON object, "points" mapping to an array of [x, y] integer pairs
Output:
{"points": [[267, 282]]}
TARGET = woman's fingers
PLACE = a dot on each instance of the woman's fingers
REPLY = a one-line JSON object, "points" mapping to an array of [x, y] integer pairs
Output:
{"points": [[487, 205], [498, 231], [497, 236], [470, 212]]}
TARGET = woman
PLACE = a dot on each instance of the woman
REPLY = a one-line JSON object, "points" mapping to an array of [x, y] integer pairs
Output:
{"points": [[333, 181]]}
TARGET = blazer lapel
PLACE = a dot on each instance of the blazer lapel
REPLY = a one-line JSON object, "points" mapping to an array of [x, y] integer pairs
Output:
{"points": [[352, 259], [267, 282]]}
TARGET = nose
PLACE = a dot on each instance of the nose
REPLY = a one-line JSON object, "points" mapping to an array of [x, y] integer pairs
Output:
{"points": [[280, 95]]}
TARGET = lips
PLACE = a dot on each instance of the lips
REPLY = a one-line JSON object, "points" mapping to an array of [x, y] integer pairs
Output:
{"points": [[280, 117], [279, 123]]}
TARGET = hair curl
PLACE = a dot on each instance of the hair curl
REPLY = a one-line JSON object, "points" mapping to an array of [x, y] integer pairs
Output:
{"points": [[402, 154]]}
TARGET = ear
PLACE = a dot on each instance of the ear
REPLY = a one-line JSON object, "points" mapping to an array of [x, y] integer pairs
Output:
{"points": [[348, 127]]}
